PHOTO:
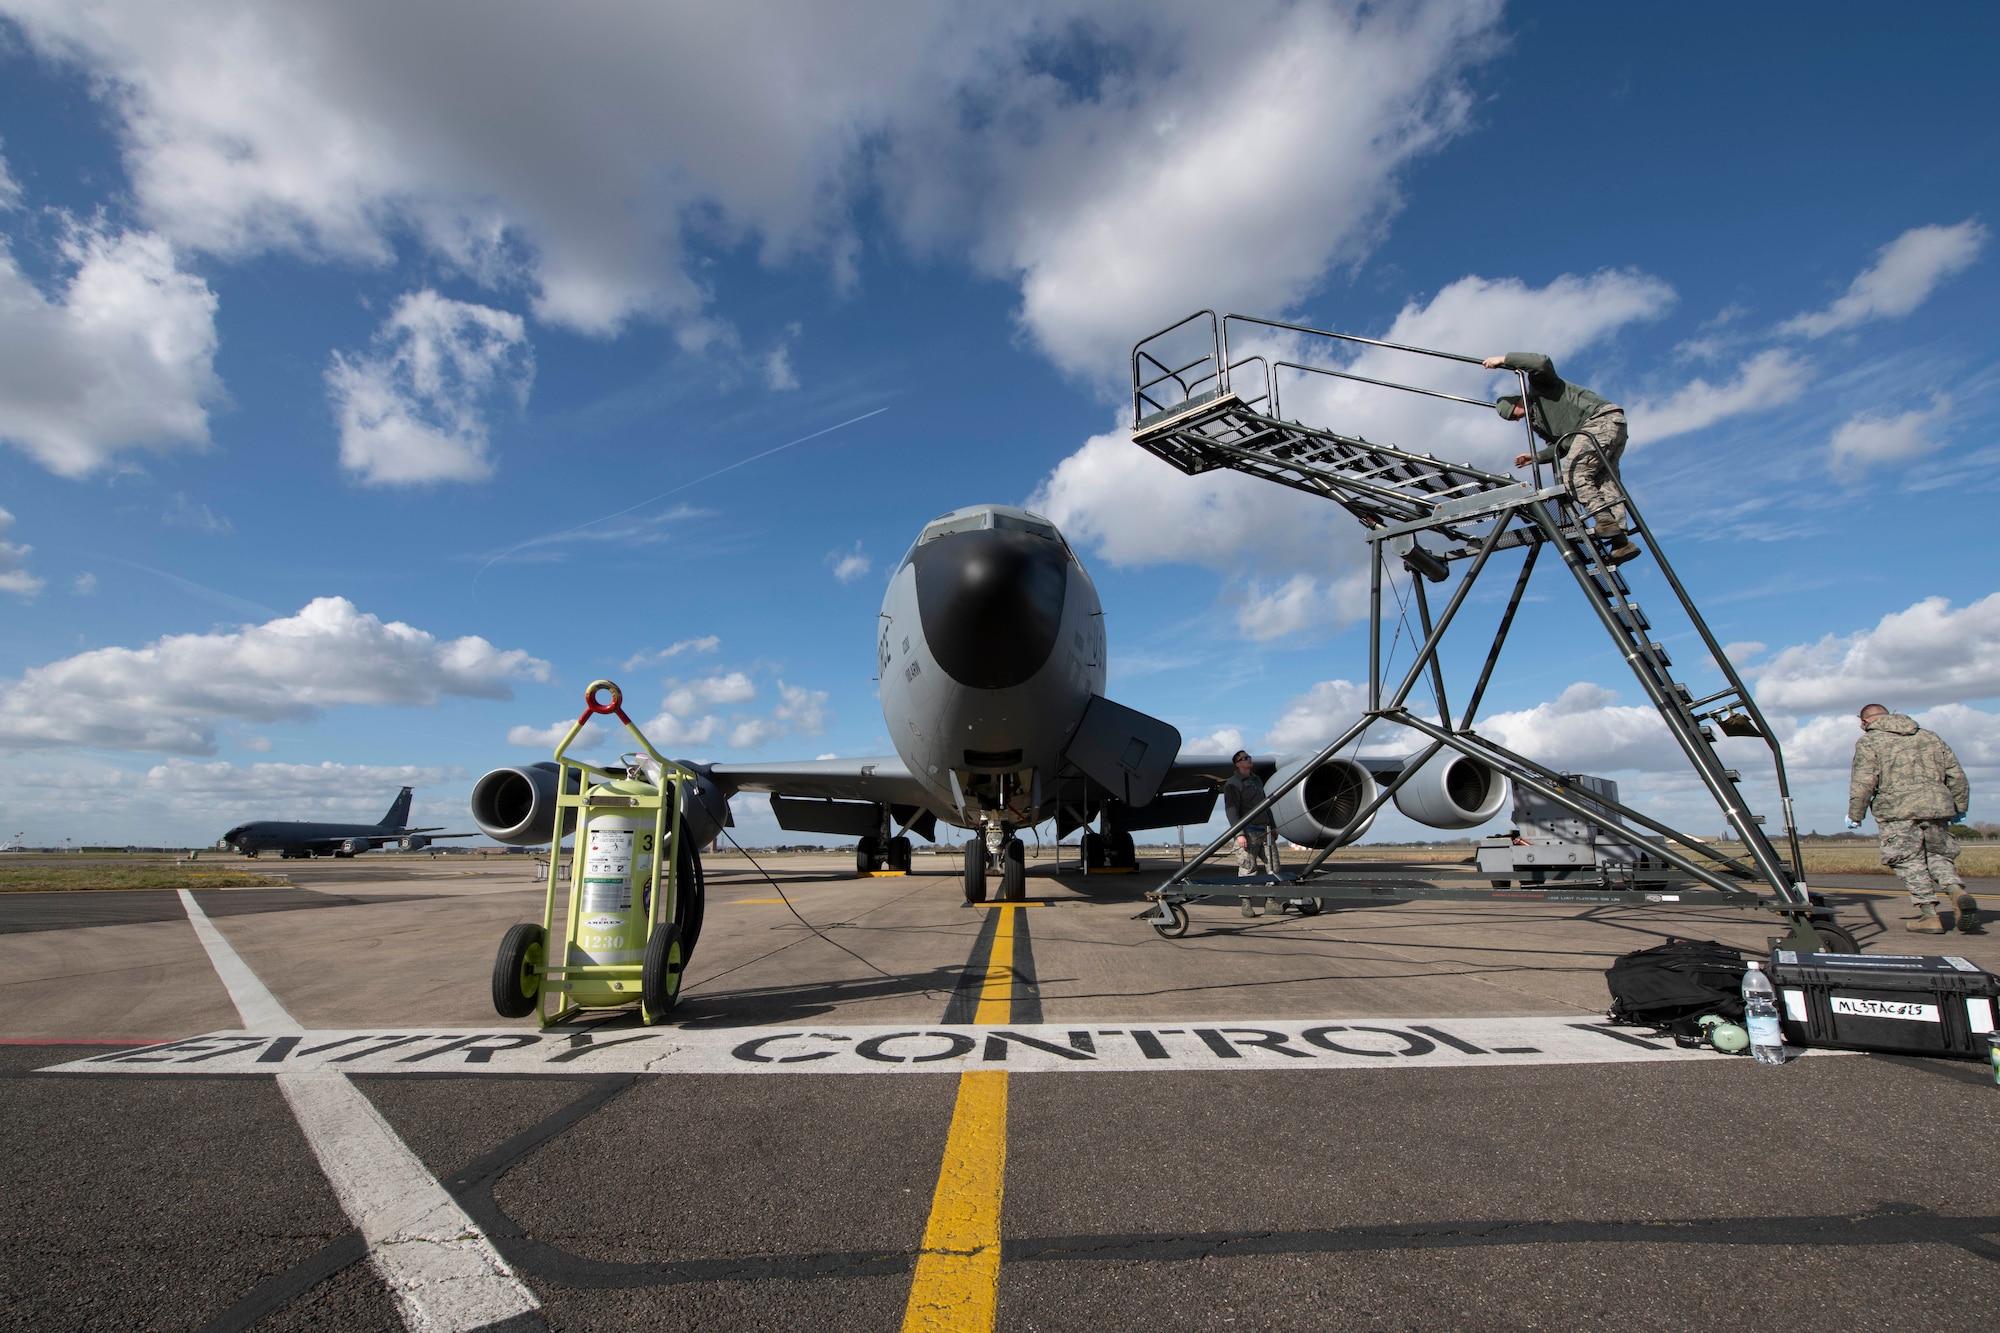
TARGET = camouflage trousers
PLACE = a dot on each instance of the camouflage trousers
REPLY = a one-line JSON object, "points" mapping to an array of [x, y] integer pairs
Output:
{"points": [[1585, 473], [1924, 856], [1254, 850]]}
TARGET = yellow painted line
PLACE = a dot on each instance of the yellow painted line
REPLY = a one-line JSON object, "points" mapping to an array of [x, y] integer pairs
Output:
{"points": [[956, 1288], [1010, 904]]}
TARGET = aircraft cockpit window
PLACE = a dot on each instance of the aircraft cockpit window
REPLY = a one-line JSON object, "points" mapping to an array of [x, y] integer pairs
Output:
{"points": [[944, 527], [1008, 523]]}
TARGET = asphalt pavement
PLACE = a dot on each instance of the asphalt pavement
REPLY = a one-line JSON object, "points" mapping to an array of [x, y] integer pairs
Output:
{"points": [[1227, 1184]]}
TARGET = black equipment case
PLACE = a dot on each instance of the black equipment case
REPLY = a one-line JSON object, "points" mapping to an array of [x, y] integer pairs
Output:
{"points": [[1910, 1004]]}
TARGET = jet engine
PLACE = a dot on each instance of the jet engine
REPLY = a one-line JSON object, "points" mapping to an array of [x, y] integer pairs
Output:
{"points": [[415, 843], [1313, 813], [517, 806], [1453, 791]]}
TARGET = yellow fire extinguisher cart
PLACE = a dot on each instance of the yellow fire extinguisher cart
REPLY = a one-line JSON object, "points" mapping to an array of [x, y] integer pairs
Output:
{"points": [[625, 915]]}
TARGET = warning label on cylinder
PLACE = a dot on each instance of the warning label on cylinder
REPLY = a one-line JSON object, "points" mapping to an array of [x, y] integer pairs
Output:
{"points": [[607, 871]]}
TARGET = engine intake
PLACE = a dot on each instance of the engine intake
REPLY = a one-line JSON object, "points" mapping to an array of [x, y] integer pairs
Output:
{"points": [[517, 806], [1453, 791], [1314, 813]]}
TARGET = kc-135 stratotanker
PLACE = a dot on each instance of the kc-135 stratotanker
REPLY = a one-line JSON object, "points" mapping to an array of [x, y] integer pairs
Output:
{"points": [[992, 655]]}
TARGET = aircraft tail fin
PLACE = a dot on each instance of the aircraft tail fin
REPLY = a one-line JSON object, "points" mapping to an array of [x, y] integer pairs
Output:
{"points": [[399, 811]]}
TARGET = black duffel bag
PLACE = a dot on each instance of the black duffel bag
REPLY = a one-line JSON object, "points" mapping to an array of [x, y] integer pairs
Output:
{"points": [[1669, 986]]}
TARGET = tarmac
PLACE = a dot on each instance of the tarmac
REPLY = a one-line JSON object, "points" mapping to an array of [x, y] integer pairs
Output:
{"points": [[880, 1108]]}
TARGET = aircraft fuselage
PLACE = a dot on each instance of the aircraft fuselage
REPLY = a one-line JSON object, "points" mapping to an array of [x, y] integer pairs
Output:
{"points": [[991, 643]]}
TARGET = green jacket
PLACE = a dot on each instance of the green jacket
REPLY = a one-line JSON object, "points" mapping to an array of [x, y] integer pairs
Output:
{"points": [[1556, 406], [1905, 772]]}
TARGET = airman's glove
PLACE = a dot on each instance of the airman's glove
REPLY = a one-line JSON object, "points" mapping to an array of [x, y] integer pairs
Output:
{"points": [[1958, 818], [1854, 823]]}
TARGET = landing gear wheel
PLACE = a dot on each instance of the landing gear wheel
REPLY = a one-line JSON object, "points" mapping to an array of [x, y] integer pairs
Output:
{"points": [[517, 971], [1835, 938], [1179, 926], [1013, 871], [975, 871], [660, 976], [899, 854], [1090, 848], [867, 855], [1310, 907], [1120, 851]]}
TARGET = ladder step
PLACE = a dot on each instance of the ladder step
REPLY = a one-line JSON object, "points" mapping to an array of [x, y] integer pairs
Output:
{"points": [[1661, 653], [1635, 617]]}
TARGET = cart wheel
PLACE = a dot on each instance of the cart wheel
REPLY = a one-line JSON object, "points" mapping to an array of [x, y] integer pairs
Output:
{"points": [[660, 977], [517, 971], [1836, 938], [695, 906], [1311, 907], [1179, 926]]}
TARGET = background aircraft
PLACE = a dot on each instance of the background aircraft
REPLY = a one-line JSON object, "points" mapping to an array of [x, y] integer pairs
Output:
{"points": [[291, 839], [992, 657]]}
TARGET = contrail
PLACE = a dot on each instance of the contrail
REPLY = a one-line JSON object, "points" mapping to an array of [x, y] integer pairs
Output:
{"points": [[741, 462]]}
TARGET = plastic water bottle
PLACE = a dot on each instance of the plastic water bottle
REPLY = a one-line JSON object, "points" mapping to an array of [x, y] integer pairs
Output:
{"points": [[1760, 1015]]}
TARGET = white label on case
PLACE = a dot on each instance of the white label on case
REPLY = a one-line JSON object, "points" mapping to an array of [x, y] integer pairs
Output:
{"points": [[1915, 1013], [1979, 1013], [1795, 1005]]}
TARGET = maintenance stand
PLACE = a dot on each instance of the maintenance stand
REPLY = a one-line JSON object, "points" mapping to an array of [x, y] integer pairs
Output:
{"points": [[1201, 408]]}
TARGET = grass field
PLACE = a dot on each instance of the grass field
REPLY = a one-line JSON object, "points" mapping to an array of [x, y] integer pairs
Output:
{"points": [[47, 876]]}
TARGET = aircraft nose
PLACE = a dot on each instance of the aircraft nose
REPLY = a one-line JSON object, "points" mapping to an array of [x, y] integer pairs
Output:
{"points": [[991, 603]]}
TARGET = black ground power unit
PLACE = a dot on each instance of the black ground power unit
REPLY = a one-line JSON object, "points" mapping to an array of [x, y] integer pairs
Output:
{"points": [[1914, 1005]]}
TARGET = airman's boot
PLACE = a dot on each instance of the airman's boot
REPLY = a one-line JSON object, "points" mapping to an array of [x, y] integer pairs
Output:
{"points": [[1968, 915], [1927, 922], [1622, 546]]}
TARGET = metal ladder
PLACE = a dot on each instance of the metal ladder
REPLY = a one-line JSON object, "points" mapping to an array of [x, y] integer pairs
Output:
{"points": [[1207, 411]]}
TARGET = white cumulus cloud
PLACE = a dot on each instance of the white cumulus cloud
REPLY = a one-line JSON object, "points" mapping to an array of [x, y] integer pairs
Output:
{"points": [[848, 566], [685, 697], [14, 575], [547, 738], [414, 409], [121, 357], [1770, 379], [1925, 654], [1905, 272], [1868, 440], [170, 695], [1070, 149]]}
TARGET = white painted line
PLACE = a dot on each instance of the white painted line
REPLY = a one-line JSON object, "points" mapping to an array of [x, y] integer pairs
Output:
{"points": [[1183, 1045], [444, 1274], [259, 1009]]}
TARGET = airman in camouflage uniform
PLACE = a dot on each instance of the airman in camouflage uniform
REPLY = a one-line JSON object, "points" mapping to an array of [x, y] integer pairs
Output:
{"points": [[1562, 413], [1913, 781]]}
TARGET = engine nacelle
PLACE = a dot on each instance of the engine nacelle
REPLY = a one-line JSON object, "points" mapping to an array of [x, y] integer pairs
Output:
{"points": [[1453, 791], [517, 806], [416, 842], [1314, 813]]}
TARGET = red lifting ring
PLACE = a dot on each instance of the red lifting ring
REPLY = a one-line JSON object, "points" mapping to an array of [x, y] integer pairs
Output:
{"points": [[615, 708]]}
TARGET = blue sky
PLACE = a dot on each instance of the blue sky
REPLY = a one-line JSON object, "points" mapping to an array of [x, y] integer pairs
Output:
{"points": [[329, 339]]}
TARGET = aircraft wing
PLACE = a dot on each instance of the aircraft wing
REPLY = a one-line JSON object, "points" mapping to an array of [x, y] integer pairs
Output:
{"points": [[884, 780]]}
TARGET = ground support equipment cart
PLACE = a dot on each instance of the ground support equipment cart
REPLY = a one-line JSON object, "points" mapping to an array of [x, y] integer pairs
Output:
{"points": [[633, 901]]}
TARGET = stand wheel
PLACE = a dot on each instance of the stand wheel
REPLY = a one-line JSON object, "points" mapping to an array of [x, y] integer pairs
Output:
{"points": [[517, 971], [660, 976], [975, 871], [694, 899], [1013, 871], [1835, 938], [1311, 907], [1179, 926]]}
